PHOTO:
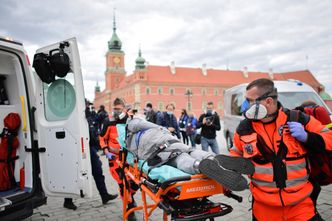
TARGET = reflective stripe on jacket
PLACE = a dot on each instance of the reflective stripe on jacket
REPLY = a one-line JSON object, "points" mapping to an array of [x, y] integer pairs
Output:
{"points": [[267, 185]]}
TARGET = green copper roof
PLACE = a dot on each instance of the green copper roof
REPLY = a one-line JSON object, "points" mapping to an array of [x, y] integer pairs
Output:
{"points": [[97, 87], [140, 61], [325, 96], [115, 42]]}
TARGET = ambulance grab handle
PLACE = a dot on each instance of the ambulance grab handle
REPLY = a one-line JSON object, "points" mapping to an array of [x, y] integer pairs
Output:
{"points": [[60, 134]]}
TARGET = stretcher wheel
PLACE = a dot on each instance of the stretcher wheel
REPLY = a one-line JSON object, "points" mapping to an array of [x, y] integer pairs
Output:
{"points": [[198, 209]]}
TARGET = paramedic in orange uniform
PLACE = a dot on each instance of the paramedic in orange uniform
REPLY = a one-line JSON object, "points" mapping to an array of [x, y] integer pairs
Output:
{"points": [[277, 147], [109, 143]]}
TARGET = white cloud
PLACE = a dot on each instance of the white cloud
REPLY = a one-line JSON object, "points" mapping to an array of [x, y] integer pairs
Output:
{"points": [[258, 34]]}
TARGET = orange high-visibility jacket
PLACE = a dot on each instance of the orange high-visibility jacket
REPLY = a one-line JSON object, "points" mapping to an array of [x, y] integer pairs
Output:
{"points": [[109, 136], [251, 136]]}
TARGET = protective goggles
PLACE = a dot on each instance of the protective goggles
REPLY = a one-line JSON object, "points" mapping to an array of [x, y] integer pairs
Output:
{"points": [[271, 94], [247, 102]]}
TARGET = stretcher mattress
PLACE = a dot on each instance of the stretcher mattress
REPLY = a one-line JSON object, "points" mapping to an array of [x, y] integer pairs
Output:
{"points": [[161, 173]]}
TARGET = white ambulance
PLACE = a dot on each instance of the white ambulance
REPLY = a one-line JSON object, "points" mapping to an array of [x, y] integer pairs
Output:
{"points": [[52, 158], [291, 94]]}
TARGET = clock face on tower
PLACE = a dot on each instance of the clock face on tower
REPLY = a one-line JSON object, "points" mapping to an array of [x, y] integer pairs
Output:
{"points": [[116, 60]]}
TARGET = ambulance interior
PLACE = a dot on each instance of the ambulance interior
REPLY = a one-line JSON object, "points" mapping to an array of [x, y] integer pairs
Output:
{"points": [[13, 86]]}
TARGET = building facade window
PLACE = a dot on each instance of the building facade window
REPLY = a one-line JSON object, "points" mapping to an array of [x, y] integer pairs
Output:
{"points": [[220, 105], [171, 91], [160, 90], [204, 105], [148, 90], [216, 92], [161, 106], [203, 91], [188, 89]]}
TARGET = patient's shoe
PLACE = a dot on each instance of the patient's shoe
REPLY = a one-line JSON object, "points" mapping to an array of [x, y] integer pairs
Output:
{"points": [[237, 164], [227, 178]]}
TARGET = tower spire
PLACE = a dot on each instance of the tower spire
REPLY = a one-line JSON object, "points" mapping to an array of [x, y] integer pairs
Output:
{"points": [[139, 51], [114, 23], [97, 88], [140, 61], [115, 42]]}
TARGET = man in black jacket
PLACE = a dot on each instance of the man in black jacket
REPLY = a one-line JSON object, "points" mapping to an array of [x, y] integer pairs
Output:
{"points": [[210, 123], [150, 114], [102, 115]]}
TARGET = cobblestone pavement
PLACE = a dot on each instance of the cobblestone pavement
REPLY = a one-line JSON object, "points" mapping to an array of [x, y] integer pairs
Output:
{"points": [[93, 209]]}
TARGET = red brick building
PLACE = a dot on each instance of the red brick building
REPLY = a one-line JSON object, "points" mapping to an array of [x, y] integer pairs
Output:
{"points": [[161, 85]]}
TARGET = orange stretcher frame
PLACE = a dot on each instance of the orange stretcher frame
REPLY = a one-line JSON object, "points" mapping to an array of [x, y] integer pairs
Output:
{"points": [[194, 186]]}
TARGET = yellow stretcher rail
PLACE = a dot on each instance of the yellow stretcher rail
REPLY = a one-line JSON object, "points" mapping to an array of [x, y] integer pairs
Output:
{"points": [[24, 114]]}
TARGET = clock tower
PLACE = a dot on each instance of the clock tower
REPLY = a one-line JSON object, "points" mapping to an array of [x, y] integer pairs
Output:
{"points": [[115, 71]]}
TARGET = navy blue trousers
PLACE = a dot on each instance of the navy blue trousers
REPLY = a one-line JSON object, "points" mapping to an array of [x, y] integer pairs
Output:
{"points": [[97, 171]]}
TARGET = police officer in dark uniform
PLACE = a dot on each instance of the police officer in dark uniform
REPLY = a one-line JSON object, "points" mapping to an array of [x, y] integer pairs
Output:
{"points": [[96, 164]]}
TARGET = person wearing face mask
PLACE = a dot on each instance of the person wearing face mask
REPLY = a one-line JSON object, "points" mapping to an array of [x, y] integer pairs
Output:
{"points": [[278, 148], [150, 114], [168, 120], [210, 123], [109, 142]]}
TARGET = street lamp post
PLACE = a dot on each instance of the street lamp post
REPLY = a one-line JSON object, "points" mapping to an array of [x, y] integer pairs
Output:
{"points": [[189, 93]]}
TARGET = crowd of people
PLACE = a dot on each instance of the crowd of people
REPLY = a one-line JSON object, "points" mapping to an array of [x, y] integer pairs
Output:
{"points": [[102, 126], [187, 126], [270, 150]]}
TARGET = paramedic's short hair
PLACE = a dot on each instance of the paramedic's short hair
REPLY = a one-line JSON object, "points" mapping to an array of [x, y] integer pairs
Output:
{"points": [[118, 101], [210, 103], [264, 85], [149, 105]]}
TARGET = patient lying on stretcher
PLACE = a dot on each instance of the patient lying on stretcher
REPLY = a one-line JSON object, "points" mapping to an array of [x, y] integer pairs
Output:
{"points": [[157, 146]]}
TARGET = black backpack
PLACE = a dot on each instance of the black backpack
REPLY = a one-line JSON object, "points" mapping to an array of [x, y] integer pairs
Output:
{"points": [[54, 64], [320, 163]]}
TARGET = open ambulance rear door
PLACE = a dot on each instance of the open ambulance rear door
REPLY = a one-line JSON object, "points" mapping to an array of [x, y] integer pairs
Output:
{"points": [[62, 129]]}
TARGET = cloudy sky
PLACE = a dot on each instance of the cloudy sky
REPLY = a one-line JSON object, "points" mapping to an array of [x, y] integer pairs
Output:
{"points": [[282, 35]]}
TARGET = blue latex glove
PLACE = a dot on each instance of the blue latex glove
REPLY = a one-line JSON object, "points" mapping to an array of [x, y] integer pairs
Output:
{"points": [[297, 131], [110, 156]]}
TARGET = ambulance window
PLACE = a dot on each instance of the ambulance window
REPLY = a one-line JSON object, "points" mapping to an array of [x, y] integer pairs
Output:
{"points": [[291, 100], [59, 98], [236, 102]]}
